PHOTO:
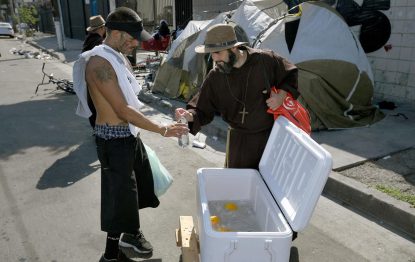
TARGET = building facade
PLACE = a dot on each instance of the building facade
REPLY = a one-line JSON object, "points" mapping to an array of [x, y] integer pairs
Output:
{"points": [[394, 64]]}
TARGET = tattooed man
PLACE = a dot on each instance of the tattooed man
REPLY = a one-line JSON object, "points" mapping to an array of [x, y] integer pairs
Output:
{"points": [[126, 177]]}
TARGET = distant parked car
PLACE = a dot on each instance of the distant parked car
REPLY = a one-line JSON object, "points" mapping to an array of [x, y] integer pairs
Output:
{"points": [[6, 29]]}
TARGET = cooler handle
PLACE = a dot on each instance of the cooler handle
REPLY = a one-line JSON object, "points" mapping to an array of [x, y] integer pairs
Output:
{"points": [[230, 250], [268, 248]]}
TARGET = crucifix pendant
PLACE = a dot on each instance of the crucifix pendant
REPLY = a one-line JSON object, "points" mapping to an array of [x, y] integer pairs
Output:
{"points": [[243, 112]]}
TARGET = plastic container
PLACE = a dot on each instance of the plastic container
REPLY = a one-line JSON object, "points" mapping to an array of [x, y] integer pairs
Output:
{"points": [[292, 173], [183, 140]]}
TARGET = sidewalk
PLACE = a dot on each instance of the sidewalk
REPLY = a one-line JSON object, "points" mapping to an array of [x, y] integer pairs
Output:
{"points": [[348, 147], [49, 44], [73, 47]]}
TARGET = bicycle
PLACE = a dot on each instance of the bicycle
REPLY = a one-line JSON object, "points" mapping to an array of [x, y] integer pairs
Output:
{"points": [[61, 84]]}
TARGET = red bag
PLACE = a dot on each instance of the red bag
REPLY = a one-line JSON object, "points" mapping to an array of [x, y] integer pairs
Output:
{"points": [[293, 111], [156, 45]]}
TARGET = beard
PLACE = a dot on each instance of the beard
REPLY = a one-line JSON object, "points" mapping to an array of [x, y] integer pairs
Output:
{"points": [[226, 67]]}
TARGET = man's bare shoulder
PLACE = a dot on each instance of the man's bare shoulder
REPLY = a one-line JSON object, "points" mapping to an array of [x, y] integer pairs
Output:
{"points": [[100, 69], [97, 61]]}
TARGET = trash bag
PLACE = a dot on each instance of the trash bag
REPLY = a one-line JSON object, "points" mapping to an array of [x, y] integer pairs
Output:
{"points": [[162, 178]]}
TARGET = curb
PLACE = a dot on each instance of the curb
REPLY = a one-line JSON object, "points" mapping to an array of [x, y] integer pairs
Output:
{"points": [[49, 52], [396, 214]]}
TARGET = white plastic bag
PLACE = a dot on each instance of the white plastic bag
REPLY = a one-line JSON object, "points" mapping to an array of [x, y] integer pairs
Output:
{"points": [[162, 178]]}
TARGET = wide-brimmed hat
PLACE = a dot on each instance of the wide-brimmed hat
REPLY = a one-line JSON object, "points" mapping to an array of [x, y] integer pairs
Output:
{"points": [[95, 22], [219, 37]]}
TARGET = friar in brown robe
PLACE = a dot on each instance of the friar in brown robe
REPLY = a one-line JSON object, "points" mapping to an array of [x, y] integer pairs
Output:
{"points": [[238, 88]]}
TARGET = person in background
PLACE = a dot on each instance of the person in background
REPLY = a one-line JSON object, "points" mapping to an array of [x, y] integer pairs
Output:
{"points": [[239, 88], [126, 177], [96, 35], [162, 31]]}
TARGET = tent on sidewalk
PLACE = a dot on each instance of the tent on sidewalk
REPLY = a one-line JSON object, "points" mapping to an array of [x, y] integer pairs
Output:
{"points": [[183, 70], [171, 74], [335, 77], [174, 78]]}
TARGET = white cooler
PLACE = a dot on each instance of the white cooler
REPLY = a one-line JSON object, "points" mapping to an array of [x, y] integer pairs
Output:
{"points": [[292, 173]]}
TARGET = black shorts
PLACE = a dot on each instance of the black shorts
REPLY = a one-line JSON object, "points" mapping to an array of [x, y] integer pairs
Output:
{"points": [[126, 183]]}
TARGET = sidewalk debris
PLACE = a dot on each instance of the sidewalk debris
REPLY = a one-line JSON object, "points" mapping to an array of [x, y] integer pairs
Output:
{"points": [[198, 144], [30, 54]]}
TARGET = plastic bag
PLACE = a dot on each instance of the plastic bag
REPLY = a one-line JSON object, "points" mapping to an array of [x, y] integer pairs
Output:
{"points": [[162, 178], [293, 111]]}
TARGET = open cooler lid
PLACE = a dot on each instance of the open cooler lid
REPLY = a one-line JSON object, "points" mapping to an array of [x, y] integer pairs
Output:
{"points": [[295, 169]]}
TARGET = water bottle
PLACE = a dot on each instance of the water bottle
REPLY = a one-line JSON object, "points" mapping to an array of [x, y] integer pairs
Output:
{"points": [[183, 139]]}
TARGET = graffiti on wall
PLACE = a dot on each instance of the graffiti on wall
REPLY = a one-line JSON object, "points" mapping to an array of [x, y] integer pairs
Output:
{"points": [[375, 26]]}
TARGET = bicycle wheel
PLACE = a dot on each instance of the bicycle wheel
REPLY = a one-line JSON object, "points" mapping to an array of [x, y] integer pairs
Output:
{"points": [[66, 86]]}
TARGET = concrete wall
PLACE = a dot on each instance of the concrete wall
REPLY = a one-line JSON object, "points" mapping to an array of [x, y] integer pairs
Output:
{"points": [[394, 68]]}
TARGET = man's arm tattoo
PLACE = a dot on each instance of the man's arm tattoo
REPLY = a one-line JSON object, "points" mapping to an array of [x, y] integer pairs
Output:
{"points": [[104, 73]]}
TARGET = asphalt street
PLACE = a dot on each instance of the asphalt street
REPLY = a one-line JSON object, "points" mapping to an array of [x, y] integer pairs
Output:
{"points": [[50, 184]]}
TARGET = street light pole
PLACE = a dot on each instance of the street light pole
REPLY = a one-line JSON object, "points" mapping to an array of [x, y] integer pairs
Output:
{"points": [[11, 10], [60, 35]]}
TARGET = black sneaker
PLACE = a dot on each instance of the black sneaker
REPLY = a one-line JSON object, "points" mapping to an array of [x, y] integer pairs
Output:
{"points": [[123, 257], [103, 259], [136, 242]]}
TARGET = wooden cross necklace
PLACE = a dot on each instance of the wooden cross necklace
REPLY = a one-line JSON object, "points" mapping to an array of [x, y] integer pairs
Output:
{"points": [[243, 103]]}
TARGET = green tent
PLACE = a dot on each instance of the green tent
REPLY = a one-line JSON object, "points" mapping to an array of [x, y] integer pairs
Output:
{"points": [[335, 77]]}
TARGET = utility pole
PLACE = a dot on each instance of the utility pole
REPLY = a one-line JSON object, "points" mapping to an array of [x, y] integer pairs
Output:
{"points": [[12, 14], [60, 35], [174, 15], [154, 13]]}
